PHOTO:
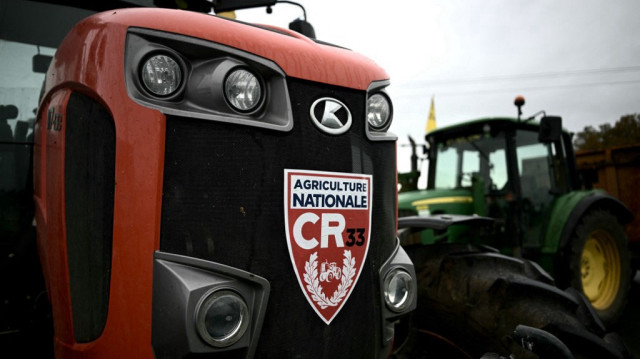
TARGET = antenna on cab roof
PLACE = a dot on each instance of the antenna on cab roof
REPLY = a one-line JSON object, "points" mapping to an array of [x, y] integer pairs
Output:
{"points": [[519, 102]]}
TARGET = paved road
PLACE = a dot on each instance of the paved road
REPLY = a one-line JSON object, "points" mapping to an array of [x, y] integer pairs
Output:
{"points": [[629, 326]]}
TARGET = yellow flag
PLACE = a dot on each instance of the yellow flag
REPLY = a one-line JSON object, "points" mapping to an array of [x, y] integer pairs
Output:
{"points": [[431, 121], [227, 14]]}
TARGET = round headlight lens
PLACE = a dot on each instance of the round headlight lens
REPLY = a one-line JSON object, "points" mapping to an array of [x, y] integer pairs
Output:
{"points": [[243, 90], [398, 290], [223, 318], [378, 112], [161, 75]]}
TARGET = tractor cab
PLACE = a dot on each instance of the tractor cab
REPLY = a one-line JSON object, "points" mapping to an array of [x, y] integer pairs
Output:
{"points": [[508, 169]]}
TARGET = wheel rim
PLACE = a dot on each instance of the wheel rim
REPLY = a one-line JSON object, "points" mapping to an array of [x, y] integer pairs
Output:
{"points": [[600, 269]]}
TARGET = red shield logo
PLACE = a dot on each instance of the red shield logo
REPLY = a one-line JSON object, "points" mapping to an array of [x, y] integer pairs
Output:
{"points": [[328, 220]]}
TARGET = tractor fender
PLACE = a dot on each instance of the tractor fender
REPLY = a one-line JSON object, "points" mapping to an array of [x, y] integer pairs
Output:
{"points": [[568, 211]]}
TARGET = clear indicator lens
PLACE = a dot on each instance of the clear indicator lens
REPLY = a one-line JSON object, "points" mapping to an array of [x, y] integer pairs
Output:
{"points": [[243, 90], [161, 75], [223, 318], [378, 112], [398, 287]]}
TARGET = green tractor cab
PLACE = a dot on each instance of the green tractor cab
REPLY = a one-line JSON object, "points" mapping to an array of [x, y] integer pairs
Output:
{"points": [[522, 173]]}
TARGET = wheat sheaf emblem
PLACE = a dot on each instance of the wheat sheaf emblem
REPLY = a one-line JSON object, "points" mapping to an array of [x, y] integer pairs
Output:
{"points": [[313, 283]]}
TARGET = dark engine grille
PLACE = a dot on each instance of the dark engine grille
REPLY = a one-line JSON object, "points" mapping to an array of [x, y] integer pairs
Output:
{"points": [[223, 202]]}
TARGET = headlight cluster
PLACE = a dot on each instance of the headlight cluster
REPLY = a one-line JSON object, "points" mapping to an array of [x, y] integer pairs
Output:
{"points": [[188, 77], [162, 76]]}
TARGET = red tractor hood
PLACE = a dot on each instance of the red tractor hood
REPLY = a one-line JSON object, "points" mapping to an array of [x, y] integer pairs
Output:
{"points": [[292, 51]]}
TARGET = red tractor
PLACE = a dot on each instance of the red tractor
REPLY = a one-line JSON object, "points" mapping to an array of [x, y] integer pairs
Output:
{"points": [[192, 171]]}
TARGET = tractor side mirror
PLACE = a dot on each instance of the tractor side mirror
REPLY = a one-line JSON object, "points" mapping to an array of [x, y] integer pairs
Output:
{"points": [[40, 63], [8, 112], [303, 27], [550, 129]]}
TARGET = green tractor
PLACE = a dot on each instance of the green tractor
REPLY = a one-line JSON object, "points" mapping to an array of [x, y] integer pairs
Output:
{"points": [[522, 173]]}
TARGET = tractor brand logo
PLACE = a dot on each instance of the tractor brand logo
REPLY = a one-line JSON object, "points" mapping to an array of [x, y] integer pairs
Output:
{"points": [[328, 221], [54, 120], [331, 116]]}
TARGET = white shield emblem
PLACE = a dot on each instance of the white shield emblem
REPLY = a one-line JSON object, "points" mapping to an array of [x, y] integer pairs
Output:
{"points": [[328, 222]]}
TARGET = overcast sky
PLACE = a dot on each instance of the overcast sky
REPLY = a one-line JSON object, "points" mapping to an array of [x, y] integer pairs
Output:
{"points": [[579, 59]]}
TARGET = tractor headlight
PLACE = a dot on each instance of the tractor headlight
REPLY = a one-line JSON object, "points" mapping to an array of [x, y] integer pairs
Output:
{"points": [[222, 318], [161, 75], [379, 112], [243, 90], [188, 77], [203, 308], [398, 290]]}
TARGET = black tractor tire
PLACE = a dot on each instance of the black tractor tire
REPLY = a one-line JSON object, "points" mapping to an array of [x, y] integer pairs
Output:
{"points": [[471, 300], [600, 231]]}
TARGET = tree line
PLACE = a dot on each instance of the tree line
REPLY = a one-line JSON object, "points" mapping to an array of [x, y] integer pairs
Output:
{"points": [[625, 131]]}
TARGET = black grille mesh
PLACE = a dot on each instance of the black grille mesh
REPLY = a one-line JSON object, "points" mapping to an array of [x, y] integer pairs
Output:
{"points": [[223, 202]]}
